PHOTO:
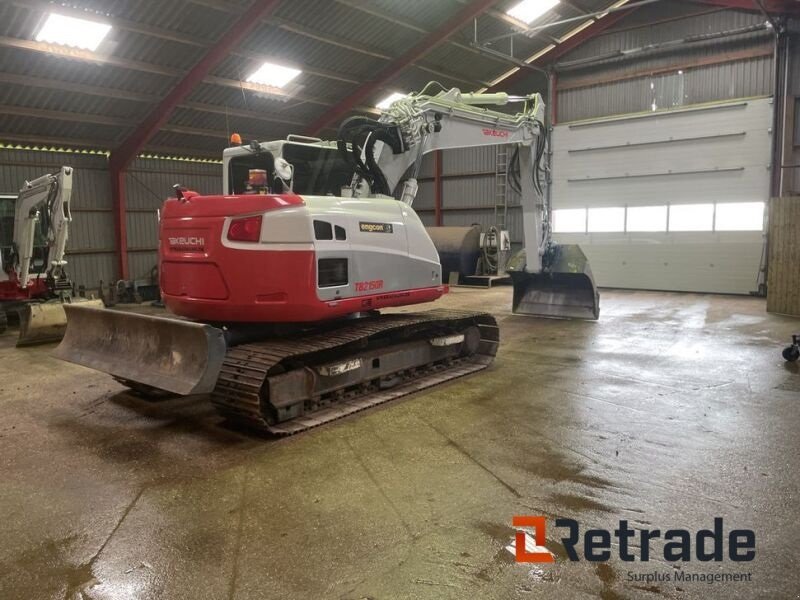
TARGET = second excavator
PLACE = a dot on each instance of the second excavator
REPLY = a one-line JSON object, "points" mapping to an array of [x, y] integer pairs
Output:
{"points": [[278, 282], [34, 285]]}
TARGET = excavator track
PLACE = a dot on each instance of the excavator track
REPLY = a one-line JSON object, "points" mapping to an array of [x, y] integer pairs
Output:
{"points": [[243, 392]]}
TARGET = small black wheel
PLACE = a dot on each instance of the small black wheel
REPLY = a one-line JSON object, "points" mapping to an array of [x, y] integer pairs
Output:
{"points": [[791, 353]]}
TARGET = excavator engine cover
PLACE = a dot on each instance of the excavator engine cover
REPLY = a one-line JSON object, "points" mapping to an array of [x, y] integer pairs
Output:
{"points": [[40, 323], [174, 355], [564, 289]]}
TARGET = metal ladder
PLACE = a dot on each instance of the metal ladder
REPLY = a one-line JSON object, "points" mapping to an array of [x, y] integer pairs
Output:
{"points": [[501, 188]]}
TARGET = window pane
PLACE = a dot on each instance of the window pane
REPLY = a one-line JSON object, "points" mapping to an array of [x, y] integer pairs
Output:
{"points": [[332, 272], [606, 219], [691, 217], [323, 230], [740, 216], [647, 218], [569, 220]]}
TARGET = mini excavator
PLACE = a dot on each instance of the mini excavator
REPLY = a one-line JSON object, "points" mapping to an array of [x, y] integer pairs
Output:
{"points": [[34, 284]]}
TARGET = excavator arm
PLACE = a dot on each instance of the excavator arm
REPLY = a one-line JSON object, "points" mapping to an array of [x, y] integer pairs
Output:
{"points": [[44, 200], [549, 279]]}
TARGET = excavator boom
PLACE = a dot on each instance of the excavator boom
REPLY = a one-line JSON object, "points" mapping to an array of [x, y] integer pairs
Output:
{"points": [[550, 280]]}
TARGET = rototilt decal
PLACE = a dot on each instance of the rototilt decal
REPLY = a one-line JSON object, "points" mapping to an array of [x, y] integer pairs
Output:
{"points": [[628, 544]]}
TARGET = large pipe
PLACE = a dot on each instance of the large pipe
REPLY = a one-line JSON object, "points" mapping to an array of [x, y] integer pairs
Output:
{"points": [[586, 17], [692, 39]]}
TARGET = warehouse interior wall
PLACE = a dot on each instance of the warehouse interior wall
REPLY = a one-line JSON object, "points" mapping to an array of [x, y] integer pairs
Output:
{"points": [[149, 182], [602, 78], [594, 80], [91, 249]]}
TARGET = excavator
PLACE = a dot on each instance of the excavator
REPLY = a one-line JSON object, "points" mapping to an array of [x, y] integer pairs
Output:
{"points": [[33, 237], [276, 285]]}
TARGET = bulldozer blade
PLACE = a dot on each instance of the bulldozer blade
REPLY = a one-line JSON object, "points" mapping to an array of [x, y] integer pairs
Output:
{"points": [[566, 289], [45, 322], [177, 356]]}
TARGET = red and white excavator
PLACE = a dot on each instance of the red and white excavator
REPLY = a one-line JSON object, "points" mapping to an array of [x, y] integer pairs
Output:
{"points": [[278, 281], [34, 228]]}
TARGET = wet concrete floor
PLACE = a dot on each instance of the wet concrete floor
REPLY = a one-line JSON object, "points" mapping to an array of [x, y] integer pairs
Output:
{"points": [[670, 411]]}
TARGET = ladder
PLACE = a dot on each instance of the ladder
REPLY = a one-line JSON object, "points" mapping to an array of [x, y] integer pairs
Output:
{"points": [[501, 188]]}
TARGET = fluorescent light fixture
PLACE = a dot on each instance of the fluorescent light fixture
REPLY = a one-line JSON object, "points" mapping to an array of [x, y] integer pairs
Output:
{"points": [[273, 75], [387, 102], [71, 31], [528, 11]]}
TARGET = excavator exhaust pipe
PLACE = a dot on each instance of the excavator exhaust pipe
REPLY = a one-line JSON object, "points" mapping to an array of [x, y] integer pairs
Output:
{"points": [[46, 322], [144, 351], [565, 289]]}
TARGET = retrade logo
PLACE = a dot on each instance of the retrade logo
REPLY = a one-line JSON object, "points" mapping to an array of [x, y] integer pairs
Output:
{"points": [[540, 554], [629, 544]]}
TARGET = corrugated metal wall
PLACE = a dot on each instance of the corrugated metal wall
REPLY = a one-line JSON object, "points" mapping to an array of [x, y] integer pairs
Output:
{"points": [[90, 252], [149, 183], [469, 187], [668, 78], [470, 199], [91, 247], [468, 190]]}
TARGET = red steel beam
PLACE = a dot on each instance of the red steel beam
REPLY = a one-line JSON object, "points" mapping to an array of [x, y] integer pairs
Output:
{"points": [[561, 49], [229, 41], [158, 117], [428, 43], [120, 221]]}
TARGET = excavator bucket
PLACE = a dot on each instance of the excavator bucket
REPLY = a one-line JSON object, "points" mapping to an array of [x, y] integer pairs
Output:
{"points": [[46, 322], [177, 356], [566, 289]]}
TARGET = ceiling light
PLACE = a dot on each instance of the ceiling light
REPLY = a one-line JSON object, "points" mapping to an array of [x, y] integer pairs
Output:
{"points": [[274, 75], [71, 31], [528, 11], [387, 102]]}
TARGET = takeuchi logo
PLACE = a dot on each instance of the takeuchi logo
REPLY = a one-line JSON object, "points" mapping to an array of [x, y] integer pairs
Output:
{"points": [[629, 544], [495, 133]]}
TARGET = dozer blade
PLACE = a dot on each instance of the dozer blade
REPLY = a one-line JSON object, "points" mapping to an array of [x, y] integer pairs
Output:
{"points": [[177, 356], [46, 322], [565, 290]]}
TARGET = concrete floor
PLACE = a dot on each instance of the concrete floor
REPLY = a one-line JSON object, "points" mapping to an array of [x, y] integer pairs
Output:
{"points": [[670, 411]]}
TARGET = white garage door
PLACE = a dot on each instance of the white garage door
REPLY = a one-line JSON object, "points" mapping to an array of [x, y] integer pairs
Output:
{"points": [[670, 200]]}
